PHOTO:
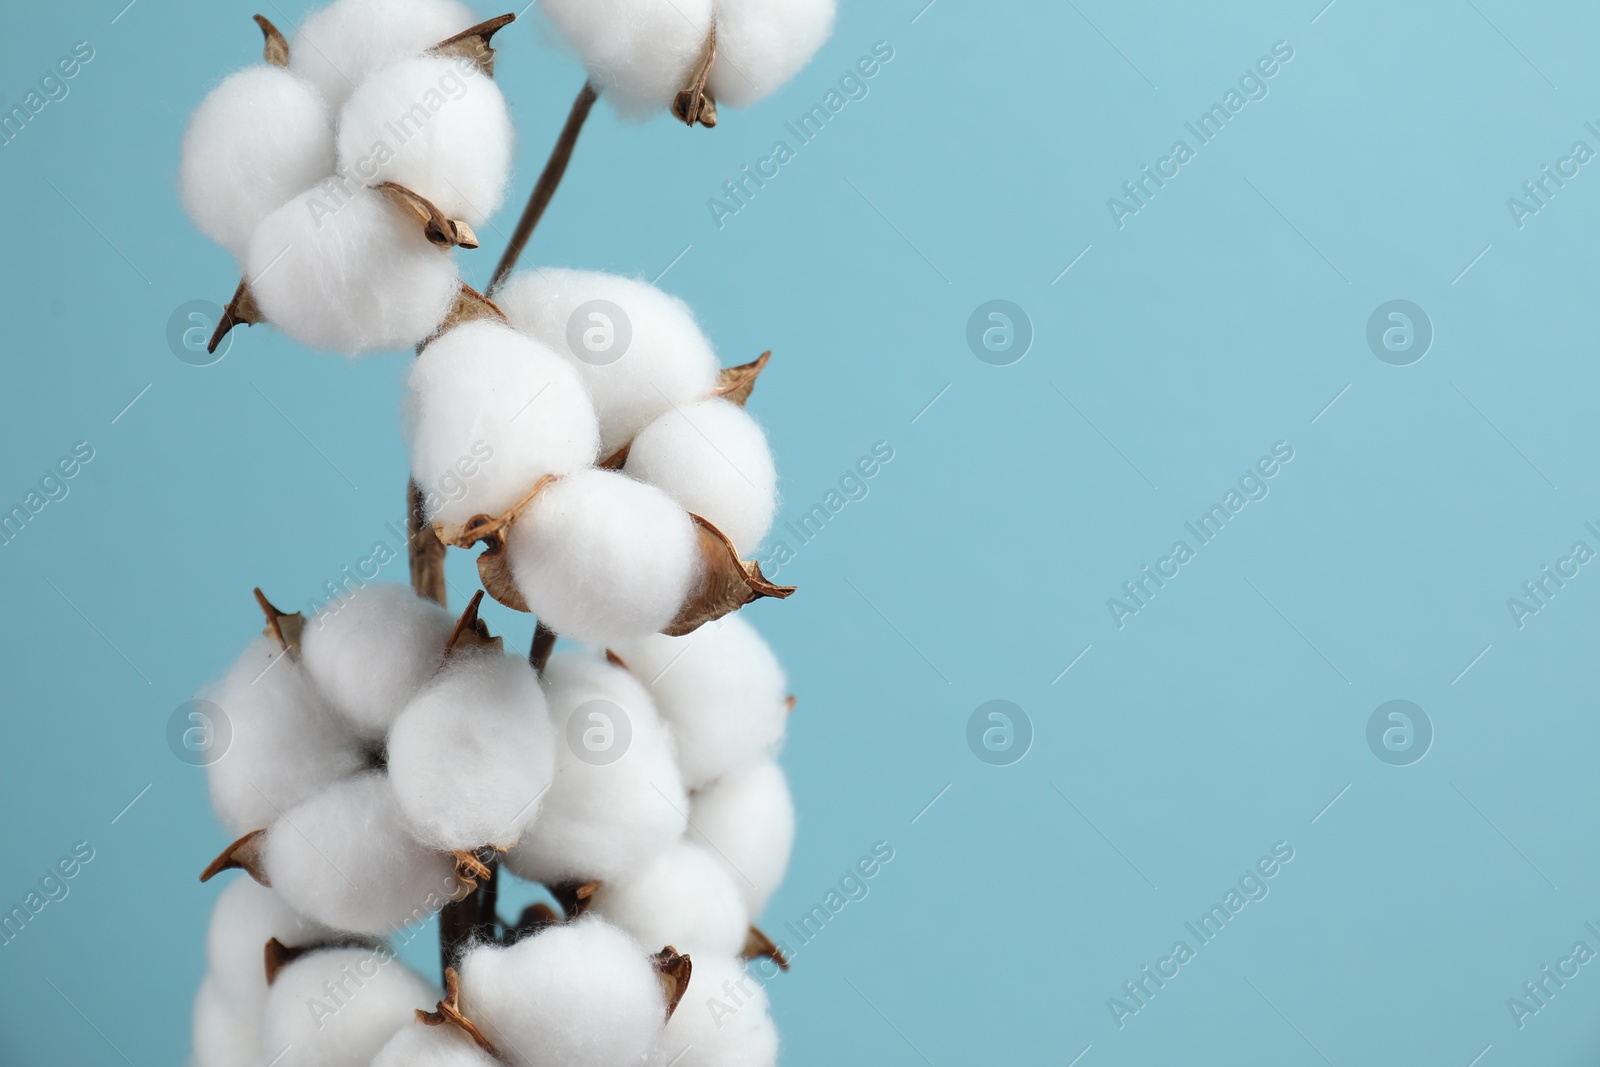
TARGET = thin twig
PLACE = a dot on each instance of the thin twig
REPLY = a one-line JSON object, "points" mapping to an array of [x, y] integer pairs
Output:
{"points": [[544, 642]]}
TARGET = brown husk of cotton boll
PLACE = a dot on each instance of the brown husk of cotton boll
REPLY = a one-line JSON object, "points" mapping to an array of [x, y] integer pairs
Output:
{"points": [[473, 43], [757, 945], [277, 955], [673, 969], [282, 627], [727, 583], [275, 50], [574, 897], [242, 855], [470, 306], [449, 1011], [439, 230], [693, 103], [241, 309], [472, 633]]}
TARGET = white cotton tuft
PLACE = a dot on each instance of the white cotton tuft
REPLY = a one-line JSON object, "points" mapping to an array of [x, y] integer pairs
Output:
{"points": [[283, 744], [684, 898], [419, 1045], [637, 349], [258, 139], [348, 41], [638, 52], [761, 44], [580, 995], [338, 1007], [471, 758], [369, 652], [723, 1020], [343, 268], [246, 917], [490, 413], [224, 1035], [602, 558], [725, 696], [712, 458], [438, 126], [346, 858], [616, 800], [746, 820]]}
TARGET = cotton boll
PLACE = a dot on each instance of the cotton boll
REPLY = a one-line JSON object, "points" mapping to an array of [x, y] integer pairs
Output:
{"points": [[224, 1035], [255, 141], [283, 744], [637, 349], [419, 1045], [684, 898], [582, 995], [346, 42], [616, 800], [602, 558], [712, 458], [723, 1020], [245, 918], [346, 858], [472, 756], [722, 692], [638, 52], [436, 125], [341, 267], [487, 400], [761, 44], [746, 820], [338, 1007], [370, 652]]}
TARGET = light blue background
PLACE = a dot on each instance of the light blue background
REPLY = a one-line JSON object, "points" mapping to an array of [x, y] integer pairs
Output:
{"points": [[1224, 317]]}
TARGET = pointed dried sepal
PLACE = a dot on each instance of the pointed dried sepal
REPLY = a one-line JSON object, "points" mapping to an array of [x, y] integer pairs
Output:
{"points": [[490, 527], [758, 945], [788, 704], [470, 306], [472, 632], [473, 43], [449, 1011], [442, 231], [573, 897], [726, 584], [275, 50], [737, 383], [673, 969], [241, 309], [243, 855], [693, 104], [279, 956], [472, 865], [616, 660], [494, 571], [283, 628]]}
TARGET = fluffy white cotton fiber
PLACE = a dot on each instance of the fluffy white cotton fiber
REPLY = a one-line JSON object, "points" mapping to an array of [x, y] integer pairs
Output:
{"points": [[583, 995], [283, 743], [638, 52], [637, 349], [617, 800], [507, 407], [761, 44], [370, 652], [436, 125], [345, 857], [223, 1035], [746, 820], [471, 758], [258, 139], [341, 267], [722, 1021], [346, 42], [712, 458], [602, 558], [419, 1045], [684, 898], [246, 916], [721, 691], [338, 1007]]}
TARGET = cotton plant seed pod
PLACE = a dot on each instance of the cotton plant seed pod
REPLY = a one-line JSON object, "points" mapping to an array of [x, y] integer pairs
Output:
{"points": [[746, 820], [223, 1034], [245, 918], [338, 1007], [602, 558], [369, 653], [724, 1020], [684, 898], [471, 759], [638, 52], [438, 126], [256, 141], [343, 44], [637, 349], [720, 690], [491, 412], [712, 458], [616, 801], [341, 267], [347, 858], [418, 1045], [579, 995], [283, 744], [761, 44]]}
